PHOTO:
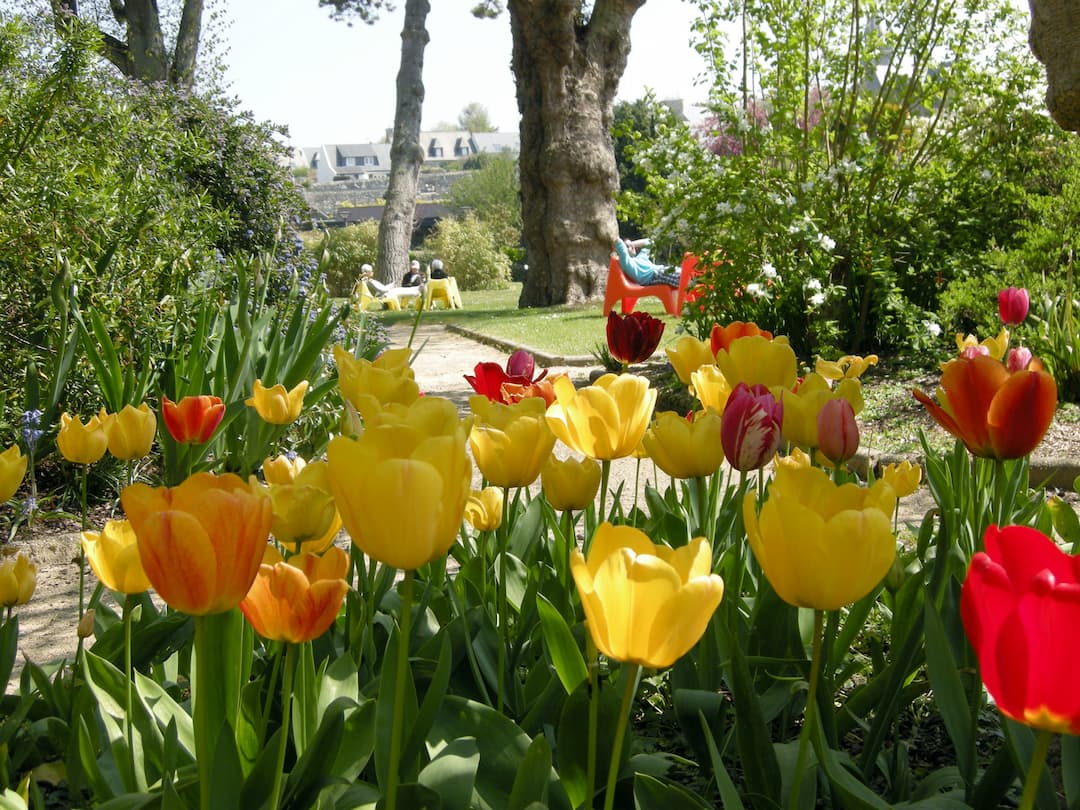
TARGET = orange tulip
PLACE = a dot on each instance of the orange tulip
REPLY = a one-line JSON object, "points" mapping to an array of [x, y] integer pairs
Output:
{"points": [[721, 337], [298, 599], [193, 419], [200, 542], [994, 412]]}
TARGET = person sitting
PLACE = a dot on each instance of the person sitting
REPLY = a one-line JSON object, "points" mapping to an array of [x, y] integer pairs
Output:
{"points": [[380, 290], [413, 276], [638, 267], [437, 270]]}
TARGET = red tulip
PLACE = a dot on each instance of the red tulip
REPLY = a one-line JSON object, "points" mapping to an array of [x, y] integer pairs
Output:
{"points": [[633, 338], [487, 380], [750, 430], [838, 435], [723, 336], [517, 381], [1013, 305], [1018, 359], [522, 364], [994, 412], [192, 420], [1020, 605]]}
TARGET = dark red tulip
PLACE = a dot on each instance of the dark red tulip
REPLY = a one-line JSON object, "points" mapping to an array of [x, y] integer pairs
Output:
{"points": [[193, 419], [1020, 605], [633, 338], [1013, 305], [750, 429]]}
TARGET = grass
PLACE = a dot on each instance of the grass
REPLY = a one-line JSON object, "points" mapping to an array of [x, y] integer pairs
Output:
{"points": [[566, 330]]}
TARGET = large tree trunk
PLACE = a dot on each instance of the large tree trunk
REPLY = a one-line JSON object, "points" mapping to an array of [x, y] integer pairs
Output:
{"points": [[567, 70], [142, 56], [1055, 41], [406, 156]]}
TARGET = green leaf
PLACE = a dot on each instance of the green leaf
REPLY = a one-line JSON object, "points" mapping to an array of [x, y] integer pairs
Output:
{"points": [[9, 645], [572, 741], [949, 695], [384, 708], [416, 797], [452, 774], [305, 699], [226, 776], [531, 784], [565, 656], [651, 793], [729, 795], [313, 770], [414, 741]]}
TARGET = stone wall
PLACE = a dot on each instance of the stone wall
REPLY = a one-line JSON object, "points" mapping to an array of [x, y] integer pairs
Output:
{"points": [[327, 197]]}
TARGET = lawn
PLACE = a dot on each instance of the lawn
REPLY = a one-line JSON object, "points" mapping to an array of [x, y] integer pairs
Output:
{"points": [[566, 330]]}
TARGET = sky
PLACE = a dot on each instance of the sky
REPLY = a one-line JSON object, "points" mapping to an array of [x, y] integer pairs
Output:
{"points": [[334, 83]]}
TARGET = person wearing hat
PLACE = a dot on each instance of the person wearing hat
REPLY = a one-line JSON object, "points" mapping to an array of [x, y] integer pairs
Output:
{"points": [[413, 278], [437, 270]]}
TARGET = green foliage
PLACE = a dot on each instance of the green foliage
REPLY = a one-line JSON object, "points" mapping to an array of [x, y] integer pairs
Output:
{"points": [[339, 253], [470, 253], [492, 193], [875, 164]]}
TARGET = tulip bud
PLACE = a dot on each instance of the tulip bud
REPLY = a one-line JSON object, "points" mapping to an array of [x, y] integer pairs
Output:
{"points": [[521, 364], [838, 435], [974, 351], [484, 509], [85, 627], [12, 470], [750, 430], [1013, 303], [896, 576], [1018, 359]]}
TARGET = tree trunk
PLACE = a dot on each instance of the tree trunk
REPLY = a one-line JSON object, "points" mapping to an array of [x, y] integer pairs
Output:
{"points": [[1055, 41], [406, 156], [567, 68]]}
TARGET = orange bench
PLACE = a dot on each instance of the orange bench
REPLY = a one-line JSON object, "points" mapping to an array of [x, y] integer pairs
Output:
{"points": [[620, 288]]}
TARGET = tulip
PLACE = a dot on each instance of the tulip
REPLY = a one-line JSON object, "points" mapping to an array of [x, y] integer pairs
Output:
{"points": [[1013, 305], [995, 413], [193, 419], [488, 379], [296, 600], [12, 470], [517, 381], [510, 443], [277, 405], [993, 346], [200, 542], [401, 486], [837, 433], [79, 443], [904, 477], [282, 469], [130, 432], [522, 364], [754, 359], [634, 337], [711, 387], [484, 509], [1020, 611], [821, 545], [645, 604], [542, 389], [802, 406], [685, 448], [605, 420], [1018, 359], [18, 577], [721, 337], [304, 510], [687, 355], [750, 430], [113, 554], [570, 484], [370, 385], [850, 365]]}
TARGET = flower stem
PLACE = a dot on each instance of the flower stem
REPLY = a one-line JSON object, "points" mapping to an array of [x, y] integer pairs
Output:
{"points": [[594, 721], [1038, 758], [128, 685], [811, 709], [201, 710], [503, 542], [401, 673], [605, 476], [629, 691], [286, 715]]}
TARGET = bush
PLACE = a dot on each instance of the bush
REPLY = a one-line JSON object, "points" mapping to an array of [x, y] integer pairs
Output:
{"points": [[470, 253], [340, 252]]}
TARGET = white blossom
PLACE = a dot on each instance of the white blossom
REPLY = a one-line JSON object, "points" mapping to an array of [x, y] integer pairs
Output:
{"points": [[813, 284], [768, 270], [817, 299]]}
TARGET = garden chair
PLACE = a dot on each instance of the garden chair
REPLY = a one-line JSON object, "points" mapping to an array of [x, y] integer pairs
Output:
{"points": [[622, 289], [442, 289], [365, 300]]}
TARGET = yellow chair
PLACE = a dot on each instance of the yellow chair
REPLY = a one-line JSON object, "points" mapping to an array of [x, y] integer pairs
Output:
{"points": [[365, 300], [442, 289]]}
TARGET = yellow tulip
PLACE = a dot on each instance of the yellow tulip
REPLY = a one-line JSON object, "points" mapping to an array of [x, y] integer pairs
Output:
{"points": [[303, 510], [683, 448], [570, 483], [18, 577], [510, 443], [277, 405], [296, 600], [994, 346], [605, 420], [822, 546], [850, 365], [282, 469], [904, 477], [401, 486], [688, 354], [12, 471], [801, 407], [645, 604], [113, 554], [754, 359], [369, 385], [484, 509], [79, 443], [711, 388], [130, 431], [200, 542]]}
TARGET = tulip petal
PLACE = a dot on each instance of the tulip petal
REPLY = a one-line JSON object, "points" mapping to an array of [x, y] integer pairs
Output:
{"points": [[1021, 413], [175, 551], [681, 621]]}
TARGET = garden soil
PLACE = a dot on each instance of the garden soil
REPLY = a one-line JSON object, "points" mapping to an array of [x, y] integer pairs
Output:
{"points": [[48, 621]]}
